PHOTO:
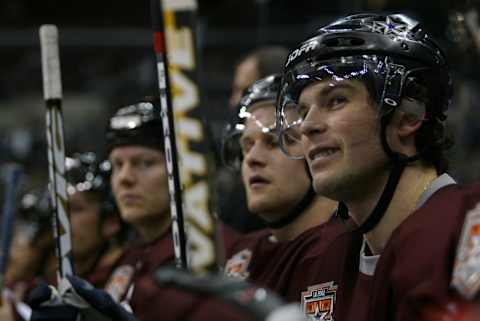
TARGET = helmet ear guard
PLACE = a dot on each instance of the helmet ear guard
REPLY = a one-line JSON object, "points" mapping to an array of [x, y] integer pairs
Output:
{"points": [[413, 108]]}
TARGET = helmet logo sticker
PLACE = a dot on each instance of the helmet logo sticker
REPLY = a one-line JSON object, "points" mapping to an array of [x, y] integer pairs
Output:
{"points": [[304, 48], [389, 28]]}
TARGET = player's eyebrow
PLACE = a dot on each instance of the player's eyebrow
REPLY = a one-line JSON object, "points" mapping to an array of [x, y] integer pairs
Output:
{"points": [[325, 91], [328, 89]]}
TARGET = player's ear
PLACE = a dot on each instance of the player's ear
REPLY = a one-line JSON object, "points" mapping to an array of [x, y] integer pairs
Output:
{"points": [[408, 118]]}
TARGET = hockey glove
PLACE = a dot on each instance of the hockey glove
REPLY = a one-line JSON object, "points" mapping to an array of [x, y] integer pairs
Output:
{"points": [[46, 305], [100, 300]]}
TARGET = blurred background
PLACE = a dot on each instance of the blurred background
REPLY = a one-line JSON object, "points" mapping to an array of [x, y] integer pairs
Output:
{"points": [[107, 61]]}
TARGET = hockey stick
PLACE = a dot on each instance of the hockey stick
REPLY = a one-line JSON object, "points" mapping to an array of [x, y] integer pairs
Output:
{"points": [[194, 155], [12, 180], [52, 88], [174, 184], [258, 303]]}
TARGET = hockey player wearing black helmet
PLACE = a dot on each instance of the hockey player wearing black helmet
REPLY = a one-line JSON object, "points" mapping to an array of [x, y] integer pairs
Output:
{"points": [[32, 251], [250, 143], [139, 177], [139, 185], [98, 232], [305, 242], [364, 102], [32, 257]]}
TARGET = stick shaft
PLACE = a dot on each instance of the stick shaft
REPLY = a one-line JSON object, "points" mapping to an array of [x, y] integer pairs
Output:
{"points": [[171, 154], [56, 148]]}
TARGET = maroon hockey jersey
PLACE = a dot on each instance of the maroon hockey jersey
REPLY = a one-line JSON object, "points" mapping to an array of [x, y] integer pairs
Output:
{"points": [[133, 283], [318, 268], [360, 282], [415, 267], [101, 273]]}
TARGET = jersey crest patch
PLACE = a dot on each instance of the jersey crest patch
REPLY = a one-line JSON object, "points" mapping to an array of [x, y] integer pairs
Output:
{"points": [[318, 302], [466, 270], [120, 281], [237, 265]]}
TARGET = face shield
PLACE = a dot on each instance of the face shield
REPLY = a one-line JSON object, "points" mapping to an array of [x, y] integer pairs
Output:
{"points": [[248, 123], [383, 80]]}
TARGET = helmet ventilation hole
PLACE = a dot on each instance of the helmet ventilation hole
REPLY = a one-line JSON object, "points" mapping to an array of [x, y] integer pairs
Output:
{"points": [[344, 42]]}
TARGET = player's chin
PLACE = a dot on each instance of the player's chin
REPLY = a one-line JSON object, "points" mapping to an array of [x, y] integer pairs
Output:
{"points": [[258, 205], [132, 215], [325, 184]]}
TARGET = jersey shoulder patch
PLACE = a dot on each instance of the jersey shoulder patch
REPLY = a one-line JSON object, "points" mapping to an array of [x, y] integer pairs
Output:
{"points": [[120, 281], [237, 265], [466, 270], [318, 301]]}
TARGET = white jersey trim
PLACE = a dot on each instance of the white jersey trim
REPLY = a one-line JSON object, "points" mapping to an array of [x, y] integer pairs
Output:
{"points": [[368, 263], [441, 181]]}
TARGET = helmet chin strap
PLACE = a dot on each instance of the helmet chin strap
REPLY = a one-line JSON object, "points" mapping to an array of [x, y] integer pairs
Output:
{"points": [[295, 212], [399, 162]]}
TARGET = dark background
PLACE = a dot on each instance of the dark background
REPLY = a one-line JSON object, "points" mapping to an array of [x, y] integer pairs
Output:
{"points": [[107, 61]]}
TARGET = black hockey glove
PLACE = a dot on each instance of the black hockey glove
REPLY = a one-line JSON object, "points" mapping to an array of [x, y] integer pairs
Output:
{"points": [[100, 300], [47, 306], [84, 303]]}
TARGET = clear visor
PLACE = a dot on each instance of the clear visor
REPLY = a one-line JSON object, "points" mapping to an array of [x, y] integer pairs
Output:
{"points": [[370, 70], [249, 124]]}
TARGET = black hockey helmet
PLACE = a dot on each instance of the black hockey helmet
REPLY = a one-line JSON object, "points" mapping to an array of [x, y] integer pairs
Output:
{"points": [[392, 55], [86, 173], [137, 124]]}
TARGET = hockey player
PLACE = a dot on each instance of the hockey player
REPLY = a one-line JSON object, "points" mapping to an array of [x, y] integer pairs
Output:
{"points": [[98, 231], [259, 63], [303, 234], [140, 186], [364, 103], [32, 251]]}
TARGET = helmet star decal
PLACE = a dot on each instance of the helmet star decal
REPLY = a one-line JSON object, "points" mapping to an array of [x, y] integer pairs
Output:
{"points": [[389, 27]]}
